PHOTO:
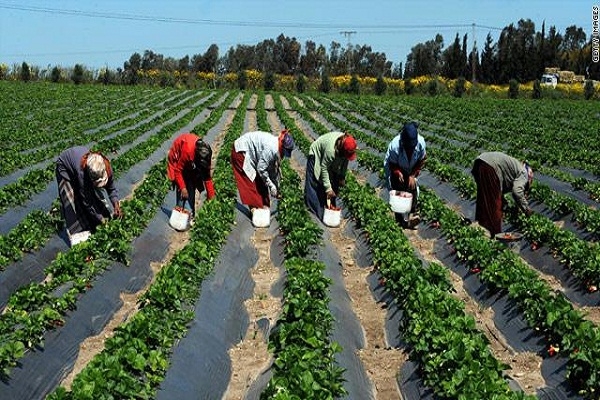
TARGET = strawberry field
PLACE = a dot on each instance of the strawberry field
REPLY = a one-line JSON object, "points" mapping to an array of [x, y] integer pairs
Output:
{"points": [[298, 310]]}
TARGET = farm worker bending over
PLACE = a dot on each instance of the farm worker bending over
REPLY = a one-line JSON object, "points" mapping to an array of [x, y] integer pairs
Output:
{"points": [[326, 168], [404, 159], [188, 168], [255, 158], [85, 180], [496, 174]]}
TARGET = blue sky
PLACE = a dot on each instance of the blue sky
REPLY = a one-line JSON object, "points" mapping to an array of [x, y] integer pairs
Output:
{"points": [[99, 33]]}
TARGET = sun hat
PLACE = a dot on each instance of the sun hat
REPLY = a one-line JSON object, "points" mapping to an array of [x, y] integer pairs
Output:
{"points": [[409, 135], [349, 147], [97, 169]]}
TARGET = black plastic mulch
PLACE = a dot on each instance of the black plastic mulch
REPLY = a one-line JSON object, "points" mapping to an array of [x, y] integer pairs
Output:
{"points": [[40, 371], [200, 364]]}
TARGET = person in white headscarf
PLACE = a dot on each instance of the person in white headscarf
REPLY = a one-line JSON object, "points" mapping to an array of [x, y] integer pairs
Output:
{"points": [[85, 181], [256, 157]]}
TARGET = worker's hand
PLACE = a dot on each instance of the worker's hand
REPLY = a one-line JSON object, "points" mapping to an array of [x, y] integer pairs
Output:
{"points": [[342, 183], [529, 212], [330, 194], [210, 190], [412, 182], [273, 191], [184, 194], [398, 174], [118, 213]]}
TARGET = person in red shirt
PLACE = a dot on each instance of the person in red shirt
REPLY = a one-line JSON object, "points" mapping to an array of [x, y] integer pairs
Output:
{"points": [[188, 168]]}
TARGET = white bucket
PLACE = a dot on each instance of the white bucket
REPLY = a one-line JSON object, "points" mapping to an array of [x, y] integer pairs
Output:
{"points": [[180, 219], [332, 217], [79, 237], [261, 217], [400, 202]]}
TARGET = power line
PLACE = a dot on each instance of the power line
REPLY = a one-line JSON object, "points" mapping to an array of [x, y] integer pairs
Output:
{"points": [[266, 24]]}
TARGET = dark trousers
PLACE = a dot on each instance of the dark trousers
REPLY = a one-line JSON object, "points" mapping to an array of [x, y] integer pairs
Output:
{"points": [[314, 191], [488, 208], [192, 182], [76, 218]]}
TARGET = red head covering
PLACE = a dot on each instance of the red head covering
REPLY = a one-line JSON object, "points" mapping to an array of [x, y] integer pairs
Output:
{"points": [[349, 147]]}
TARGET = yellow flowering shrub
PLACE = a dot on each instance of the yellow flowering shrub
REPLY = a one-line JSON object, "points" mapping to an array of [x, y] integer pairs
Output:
{"points": [[285, 83], [230, 77], [254, 79]]}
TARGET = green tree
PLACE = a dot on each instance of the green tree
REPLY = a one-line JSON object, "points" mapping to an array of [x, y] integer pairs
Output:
{"points": [[25, 72], [131, 68], [425, 58], [269, 83], [242, 79], [513, 89], [3, 71], [537, 90], [77, 75], [354, 86], [325, 85], [55, 74], [301, 84], [460, 87], [433, 87], [588, 89], [455, 60], [409, 87], [380, 86]]}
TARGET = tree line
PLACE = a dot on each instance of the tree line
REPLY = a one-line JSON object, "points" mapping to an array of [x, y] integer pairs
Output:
{"points": [[521, 53]]}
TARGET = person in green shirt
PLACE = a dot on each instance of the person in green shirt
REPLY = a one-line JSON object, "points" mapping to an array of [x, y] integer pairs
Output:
{"points": [[497, 174], [326, 168]]}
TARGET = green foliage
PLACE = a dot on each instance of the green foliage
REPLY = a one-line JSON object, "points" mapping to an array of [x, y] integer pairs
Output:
{"points": [[354, 86], [301, 84], [269, 83], [55, 74], [242, 80], [409, 87], [537, 90], [25, 72], [380, 86], [588, 89], [513, 89], [460, 87], [325, 86], [433, 87], [77, 75]]}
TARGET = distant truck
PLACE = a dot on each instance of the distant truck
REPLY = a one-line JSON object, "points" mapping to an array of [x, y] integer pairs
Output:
{"points": [[552, 76], [549, 80]]}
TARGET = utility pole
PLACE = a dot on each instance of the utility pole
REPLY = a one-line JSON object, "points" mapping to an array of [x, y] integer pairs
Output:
{"points": [[473, 54], [347, 35]]}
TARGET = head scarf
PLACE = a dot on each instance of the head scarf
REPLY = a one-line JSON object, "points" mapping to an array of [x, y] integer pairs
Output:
{"points": [[529, 173], [349, 147], [286, 144], [409, 136], [97, 169]]}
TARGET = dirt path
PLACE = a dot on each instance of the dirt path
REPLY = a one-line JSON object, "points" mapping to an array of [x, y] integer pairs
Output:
{"points": [[250, 357], [381, 362], [525, 367]]}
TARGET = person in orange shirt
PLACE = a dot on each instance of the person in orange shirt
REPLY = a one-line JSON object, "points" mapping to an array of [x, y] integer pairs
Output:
{"points": [[188, 168]]}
